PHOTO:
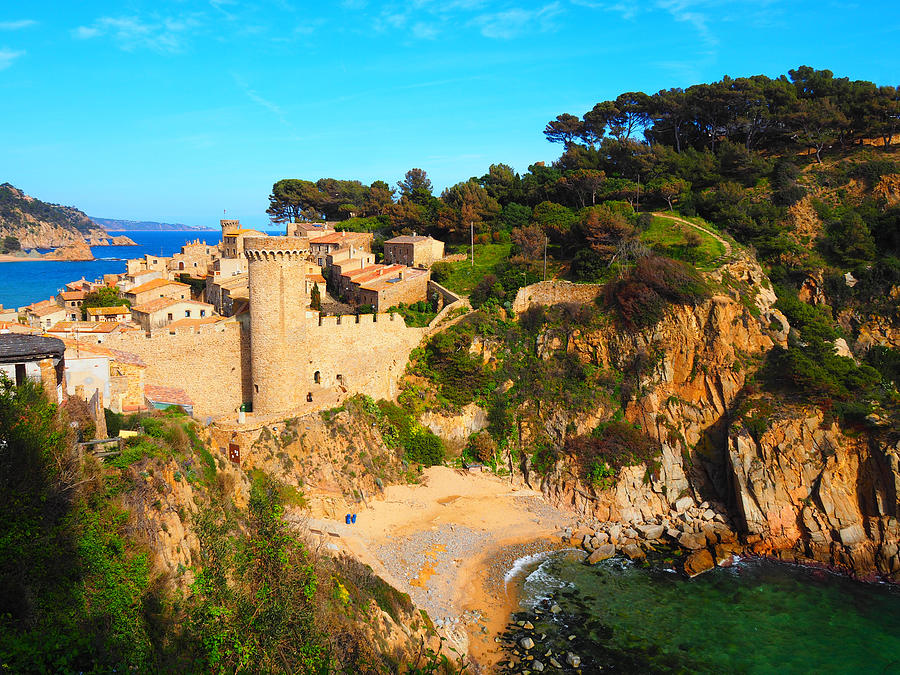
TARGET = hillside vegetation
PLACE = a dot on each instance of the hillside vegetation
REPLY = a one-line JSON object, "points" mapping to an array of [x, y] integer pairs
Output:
{"points": [[37, 224]]}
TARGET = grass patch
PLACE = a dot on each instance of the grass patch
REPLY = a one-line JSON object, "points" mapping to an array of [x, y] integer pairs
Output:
{"points": [[463, 277], [676, 240]]}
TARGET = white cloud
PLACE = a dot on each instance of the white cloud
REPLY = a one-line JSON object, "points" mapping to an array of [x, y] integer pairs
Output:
{"points": [[514, 22], [17, 25], [132, 32], [274, 108], [424, 31], [8, 56]]}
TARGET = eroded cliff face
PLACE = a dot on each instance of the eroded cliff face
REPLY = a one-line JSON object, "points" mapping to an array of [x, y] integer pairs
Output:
{"points": [[798, 489], [805, 487]]}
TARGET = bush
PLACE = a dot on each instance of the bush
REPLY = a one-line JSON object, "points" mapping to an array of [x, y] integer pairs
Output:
{"points": [[610, 447], [424, 447], [641, 297], [440, 272], [481, 448]]}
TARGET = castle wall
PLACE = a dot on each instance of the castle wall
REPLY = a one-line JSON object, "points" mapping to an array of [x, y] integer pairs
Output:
{"points": [[369, 352], [555, 292], [207, 362]]}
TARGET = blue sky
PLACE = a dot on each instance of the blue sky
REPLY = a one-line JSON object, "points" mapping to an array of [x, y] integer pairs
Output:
{"points": [[175, 110]]}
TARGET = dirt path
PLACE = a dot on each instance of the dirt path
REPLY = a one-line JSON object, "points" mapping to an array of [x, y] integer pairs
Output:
{"points": [[712, 234]]}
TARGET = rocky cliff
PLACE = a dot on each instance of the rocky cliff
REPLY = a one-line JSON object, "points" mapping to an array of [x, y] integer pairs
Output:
{"points": [[38, 224], [737, 469]]}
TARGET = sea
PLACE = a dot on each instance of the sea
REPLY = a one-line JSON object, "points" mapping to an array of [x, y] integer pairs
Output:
{"points": [[756, 616], [22, 283]]}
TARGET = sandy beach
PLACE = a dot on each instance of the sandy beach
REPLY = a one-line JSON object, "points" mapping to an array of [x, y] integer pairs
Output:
{"points": [[449, 542]]}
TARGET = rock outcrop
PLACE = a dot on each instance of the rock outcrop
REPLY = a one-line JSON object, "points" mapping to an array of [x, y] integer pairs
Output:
{"points": [[75, 251], [787, 484]]}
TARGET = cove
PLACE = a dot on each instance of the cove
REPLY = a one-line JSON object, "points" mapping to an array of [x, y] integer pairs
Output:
{"points": [[755, 617]]}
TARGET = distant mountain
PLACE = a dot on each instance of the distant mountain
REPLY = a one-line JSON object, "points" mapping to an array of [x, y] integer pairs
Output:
{"points": [[112, 224], [38, 224]]}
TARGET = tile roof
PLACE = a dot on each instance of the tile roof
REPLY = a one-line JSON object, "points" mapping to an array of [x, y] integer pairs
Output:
{"points": [[155, 305], [100, 350], [109, 311], [84, 327], [339, 237], [160, 394], [47, 310], [72, 295], [244, 230], [407, 239], [15, 347], [154, 284]]}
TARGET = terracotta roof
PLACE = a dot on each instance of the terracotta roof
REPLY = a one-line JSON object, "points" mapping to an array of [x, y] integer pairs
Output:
{"points": [[160, 394], [16, 327], [407, 239], [154, 284], [155, 305], [47, 310], [386, 280], [72, 295], [381, 271], [108, 311], [84, 327], [359, 270], [318, 278]]}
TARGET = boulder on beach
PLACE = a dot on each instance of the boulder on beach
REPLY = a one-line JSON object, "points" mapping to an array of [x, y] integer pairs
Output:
{"points": [[601, 553], [698, 563]]}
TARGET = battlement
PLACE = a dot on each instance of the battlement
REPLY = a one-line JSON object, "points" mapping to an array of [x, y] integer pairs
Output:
{"points": [[339, 320], [275, 248]]}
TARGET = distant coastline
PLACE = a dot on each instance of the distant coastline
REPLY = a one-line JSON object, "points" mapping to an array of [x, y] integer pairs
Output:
{"points": [[118, 225]]}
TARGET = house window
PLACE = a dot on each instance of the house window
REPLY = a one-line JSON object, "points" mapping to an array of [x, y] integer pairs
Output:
{"points": [[187, 313], [170, 317], [202, 312], [20, 373], [317, 377]]}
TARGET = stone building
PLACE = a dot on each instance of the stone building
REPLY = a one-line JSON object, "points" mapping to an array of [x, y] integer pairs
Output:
{"points": [[44, 314], [158, 288], [413, 251], [309, 230], [118, 314], [160, 312], [233, 243], [87, 331], [34, 357], [72, 301], [321, 247], [222, 292], [383, 286], [195, 258]]}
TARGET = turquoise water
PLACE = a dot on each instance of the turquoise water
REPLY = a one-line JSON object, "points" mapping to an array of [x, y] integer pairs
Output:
{"points": [[755, 617]]}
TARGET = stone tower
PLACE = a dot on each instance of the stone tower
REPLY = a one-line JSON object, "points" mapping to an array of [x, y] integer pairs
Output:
{"points": [[278, 305]]}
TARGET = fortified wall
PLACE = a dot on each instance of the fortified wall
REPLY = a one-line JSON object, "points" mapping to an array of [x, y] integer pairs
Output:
{"points": [[210, 363], [364, 353], [555, 292], [295, 352]]}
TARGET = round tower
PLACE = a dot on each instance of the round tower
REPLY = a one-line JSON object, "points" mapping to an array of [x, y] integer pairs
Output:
{"points": [[278, 305]]}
